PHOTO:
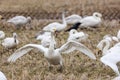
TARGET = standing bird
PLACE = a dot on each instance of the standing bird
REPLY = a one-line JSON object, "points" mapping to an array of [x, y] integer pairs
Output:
{"points": [[58, 26], [89, 21], [52, 55], [10, 42], [72, 19], [19, 21], [2, 35], [2, 76]]}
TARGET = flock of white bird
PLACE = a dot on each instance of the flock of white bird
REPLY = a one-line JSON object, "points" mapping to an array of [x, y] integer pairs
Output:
{"points": [[74, 42]]}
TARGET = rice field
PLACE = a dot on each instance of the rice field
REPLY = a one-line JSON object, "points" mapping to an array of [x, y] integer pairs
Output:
{"points": [[33, 66]]}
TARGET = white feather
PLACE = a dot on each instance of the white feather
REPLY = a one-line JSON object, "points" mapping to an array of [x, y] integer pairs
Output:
{"points": [[2, 76]]}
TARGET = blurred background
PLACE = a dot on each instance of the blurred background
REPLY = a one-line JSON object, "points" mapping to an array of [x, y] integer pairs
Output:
{"points": [[40, 9]]}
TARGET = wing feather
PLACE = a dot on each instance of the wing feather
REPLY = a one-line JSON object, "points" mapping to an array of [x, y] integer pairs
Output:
{"points": [[72, 45], [23, 50]]}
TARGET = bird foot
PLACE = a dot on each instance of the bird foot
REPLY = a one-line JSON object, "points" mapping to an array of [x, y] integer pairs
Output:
{"points": [[60, 69]]}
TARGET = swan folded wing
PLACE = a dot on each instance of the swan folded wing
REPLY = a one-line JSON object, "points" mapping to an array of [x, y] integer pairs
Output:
{"points": [[72, 45], [23, 50]]}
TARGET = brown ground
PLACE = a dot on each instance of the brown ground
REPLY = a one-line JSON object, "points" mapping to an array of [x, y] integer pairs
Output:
{"points": [[33, 65]]}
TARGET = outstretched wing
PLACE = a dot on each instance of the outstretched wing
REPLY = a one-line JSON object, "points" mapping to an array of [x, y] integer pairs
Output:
{"points": [[25, 49], [72, 45]]}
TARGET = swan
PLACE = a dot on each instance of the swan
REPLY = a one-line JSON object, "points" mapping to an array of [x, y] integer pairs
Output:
{"points": [[77, 36], [72, 19], [58, 26], [42, 34], [52, 55], [45, 38], [2, 35], [112, 57], [19, 20], [2, 76], [89, 21], [108, 41], [10, 42]]}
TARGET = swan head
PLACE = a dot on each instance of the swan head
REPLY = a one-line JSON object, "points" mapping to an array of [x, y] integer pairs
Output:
{"points": [[96, 14], [73, 31], [15, 35], [29, 19]]}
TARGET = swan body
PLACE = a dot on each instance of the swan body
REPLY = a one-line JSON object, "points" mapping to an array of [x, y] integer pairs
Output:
{"points": [[45, 38], [2, 35], [112, 57], [52, 55], [58, 26], [89, 21], [19, 20], [2, 76], [72, 19], [77, 36], [10, 42]]}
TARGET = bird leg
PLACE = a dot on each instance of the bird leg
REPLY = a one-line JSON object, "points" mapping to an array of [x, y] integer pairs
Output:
{"points": [[61, 66], [49, 66]]}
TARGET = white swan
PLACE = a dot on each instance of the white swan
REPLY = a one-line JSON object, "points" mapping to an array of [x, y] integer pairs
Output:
{"points": [[10, 42], [2, 76], [77, 36], [72, 19], [89, 21], [52, 55], [112, 57], [19, 20], [2, 35], [106, 43], [58, 26], [45, 38]]}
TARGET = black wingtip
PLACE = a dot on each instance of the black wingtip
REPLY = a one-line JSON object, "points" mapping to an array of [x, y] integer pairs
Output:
{"points": [[75, 26]]}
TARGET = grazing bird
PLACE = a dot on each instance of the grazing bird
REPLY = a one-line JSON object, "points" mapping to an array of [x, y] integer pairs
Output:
{"points": [[2, 76], [112, 57], [19, 21], [52, 55], [2, 35], [72, 19], [77, 36], [58, 26], [89, 21], [10, 42]]}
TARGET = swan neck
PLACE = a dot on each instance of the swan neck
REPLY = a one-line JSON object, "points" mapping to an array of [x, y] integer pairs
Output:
{"points": [[63, 19], [106, 46]]}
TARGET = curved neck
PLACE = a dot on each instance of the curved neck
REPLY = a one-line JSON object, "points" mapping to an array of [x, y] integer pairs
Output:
{"points": [[63, 19], [107, 46]]}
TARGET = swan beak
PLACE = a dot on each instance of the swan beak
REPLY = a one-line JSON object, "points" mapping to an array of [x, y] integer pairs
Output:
{"points": [[99, 51]]}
